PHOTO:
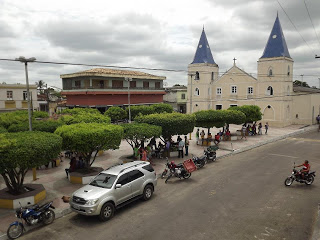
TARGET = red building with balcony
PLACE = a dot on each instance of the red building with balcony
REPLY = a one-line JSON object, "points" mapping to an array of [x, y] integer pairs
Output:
{"points": [[101, 88]]}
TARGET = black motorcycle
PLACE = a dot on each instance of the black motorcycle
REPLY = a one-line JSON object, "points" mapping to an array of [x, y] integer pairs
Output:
{"points": [[31, 215], [308, 178], [199, 161], [210, 155]]}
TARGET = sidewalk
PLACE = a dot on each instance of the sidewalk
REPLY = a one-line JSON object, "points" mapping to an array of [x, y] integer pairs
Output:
{"points": [[57, 184]]}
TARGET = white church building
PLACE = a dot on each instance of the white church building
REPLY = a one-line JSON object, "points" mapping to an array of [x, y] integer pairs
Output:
{"points": [[281, 103]]}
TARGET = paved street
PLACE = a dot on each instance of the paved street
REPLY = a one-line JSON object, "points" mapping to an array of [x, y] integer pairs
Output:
{"points": [[239, 197]]}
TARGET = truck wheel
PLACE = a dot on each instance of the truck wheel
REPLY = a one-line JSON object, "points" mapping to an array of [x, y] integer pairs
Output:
{"points": [[147, 192], [107, 211]]}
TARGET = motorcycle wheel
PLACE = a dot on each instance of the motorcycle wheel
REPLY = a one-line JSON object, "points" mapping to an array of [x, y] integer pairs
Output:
{"points": [[310, 180], [48, 217], [163, 174], [14, 231], [186, 175], [288, 181], [201, 164]]}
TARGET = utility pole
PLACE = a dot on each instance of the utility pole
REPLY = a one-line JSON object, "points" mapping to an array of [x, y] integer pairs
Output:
{"points": [[129, 80], [301, 79]]}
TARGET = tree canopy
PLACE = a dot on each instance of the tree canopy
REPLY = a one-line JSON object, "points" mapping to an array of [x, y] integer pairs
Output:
{"points": [[171, 123], [87, 138], [135, 133], [116, 113], [83, 115], [145, 110], [217, 118], [37, 125], [22, 151], [21, 116], [252, 112]]}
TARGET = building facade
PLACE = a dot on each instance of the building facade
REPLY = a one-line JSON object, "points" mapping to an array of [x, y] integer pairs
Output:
{"points": [[176, 96], [281, 103], [14, 97], [101, 88]]}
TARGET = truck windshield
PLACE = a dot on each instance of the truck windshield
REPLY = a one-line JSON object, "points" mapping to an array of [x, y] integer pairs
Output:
{"points": [[103, 180]]}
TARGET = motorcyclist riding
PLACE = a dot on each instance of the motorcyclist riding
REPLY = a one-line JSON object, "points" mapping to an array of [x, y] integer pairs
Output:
{"points": [[306, 168]]}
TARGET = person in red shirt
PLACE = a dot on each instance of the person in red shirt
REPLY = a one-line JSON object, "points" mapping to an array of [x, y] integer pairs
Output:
{"points": [[306, 168]]}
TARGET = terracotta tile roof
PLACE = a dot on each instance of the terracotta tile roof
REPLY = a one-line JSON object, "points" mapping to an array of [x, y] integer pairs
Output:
{"points": [[112, 72]]}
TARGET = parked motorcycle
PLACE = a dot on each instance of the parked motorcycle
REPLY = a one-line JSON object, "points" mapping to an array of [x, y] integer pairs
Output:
{"points": [[296, 176], [199, 161], [175, 170], [210, 155], [31, 215]]}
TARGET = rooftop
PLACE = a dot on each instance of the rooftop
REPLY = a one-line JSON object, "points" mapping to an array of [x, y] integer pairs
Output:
{"points": [[203, 53], [108, 72], [276, 45]]}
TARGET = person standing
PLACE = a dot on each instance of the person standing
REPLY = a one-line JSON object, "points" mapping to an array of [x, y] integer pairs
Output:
{"points": [[202, 134], [266, 127], [197, 136], [260, 129], [180, 148], [186, 145], [243, 131]]}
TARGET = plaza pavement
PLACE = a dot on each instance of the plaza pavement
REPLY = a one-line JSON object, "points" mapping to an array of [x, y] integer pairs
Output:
{"points": [[57, 184]]}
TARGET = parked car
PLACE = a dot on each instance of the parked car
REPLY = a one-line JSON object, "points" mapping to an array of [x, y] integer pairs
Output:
{"points": [[114, 188]]}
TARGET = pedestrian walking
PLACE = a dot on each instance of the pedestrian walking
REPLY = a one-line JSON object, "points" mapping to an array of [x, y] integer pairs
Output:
{"points": [[180, 148], [266, 127], [186, 145], [197, 136], [260, 129], [202, 134], [243, 131]]}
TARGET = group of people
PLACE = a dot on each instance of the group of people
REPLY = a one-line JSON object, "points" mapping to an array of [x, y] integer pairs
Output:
{"points": [[224, 133], [181, 144], [76, 162], [251, 130]]}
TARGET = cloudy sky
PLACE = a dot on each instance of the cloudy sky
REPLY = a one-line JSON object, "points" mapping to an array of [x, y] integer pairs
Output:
{"points": [[151, 34]]}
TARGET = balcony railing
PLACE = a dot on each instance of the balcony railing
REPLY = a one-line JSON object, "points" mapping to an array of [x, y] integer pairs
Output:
{"points": [[110, 88]]}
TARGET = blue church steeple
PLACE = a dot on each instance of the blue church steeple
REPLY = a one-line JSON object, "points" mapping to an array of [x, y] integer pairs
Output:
{"points": [[276, 45], [203, 53]]}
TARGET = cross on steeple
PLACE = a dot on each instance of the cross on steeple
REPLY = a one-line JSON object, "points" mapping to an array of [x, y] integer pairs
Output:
{"points": [[234, 61]]}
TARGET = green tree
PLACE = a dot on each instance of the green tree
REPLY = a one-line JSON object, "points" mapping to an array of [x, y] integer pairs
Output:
{"points": [[252, 112], [139, 110], [218, 118], [38, 125], [41, 85], [162, 108], [171, 123], [9, 118], [22, 151], [300, 83], [83, 115], [116, 113], [3, 130], [135, 133], [87, 138]]}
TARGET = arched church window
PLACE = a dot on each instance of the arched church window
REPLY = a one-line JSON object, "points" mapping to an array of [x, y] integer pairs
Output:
{"points": [[197, 77], [288, 70], [269, 90], [270, 73], [197, 92]]}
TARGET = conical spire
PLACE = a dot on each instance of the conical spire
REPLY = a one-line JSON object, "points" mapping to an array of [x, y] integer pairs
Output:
{"points": [[203, 53], [276, 45]]}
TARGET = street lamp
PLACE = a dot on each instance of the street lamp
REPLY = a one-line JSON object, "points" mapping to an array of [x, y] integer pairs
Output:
{"points": [[25, 61], [129, 80]]}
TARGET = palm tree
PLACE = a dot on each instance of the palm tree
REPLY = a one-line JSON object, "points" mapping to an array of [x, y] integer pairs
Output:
{"points": [[40, 85]]}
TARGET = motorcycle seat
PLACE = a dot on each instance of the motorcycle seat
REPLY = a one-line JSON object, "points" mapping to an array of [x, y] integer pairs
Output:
{"points": [[312, 172], [34, 207], [202, 157]]}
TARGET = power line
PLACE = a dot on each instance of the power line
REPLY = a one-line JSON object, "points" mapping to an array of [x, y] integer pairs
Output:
{"points": [[158, 69], [311, 21], [295, 26]]}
